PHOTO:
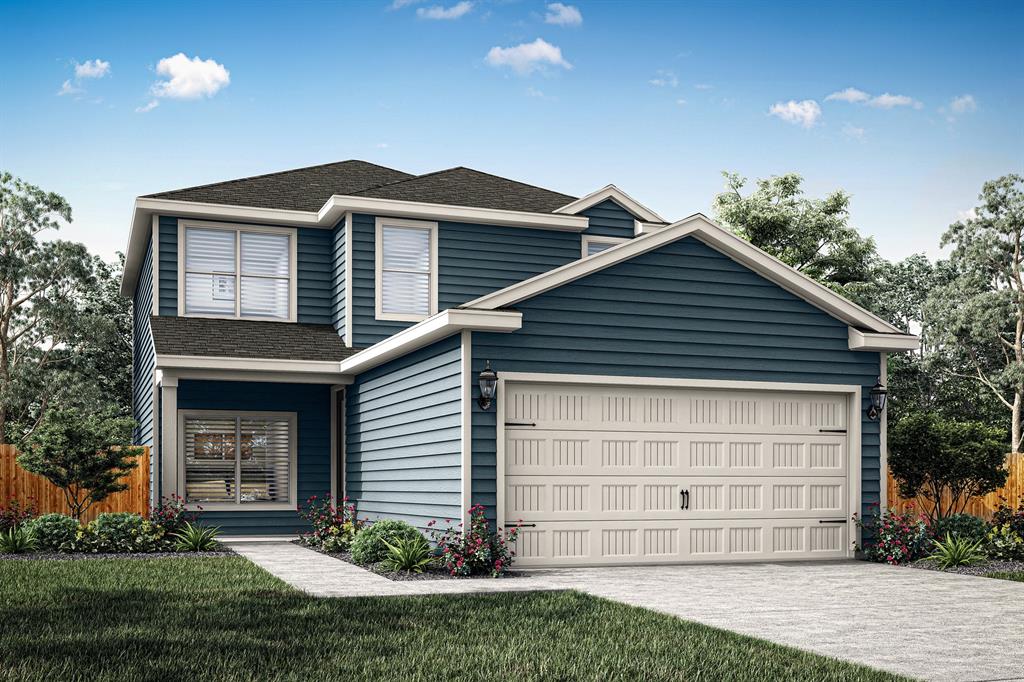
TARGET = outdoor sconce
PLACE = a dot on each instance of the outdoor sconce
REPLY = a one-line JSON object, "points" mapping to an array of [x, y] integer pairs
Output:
{"points": [[877, 395], [488, 383]]}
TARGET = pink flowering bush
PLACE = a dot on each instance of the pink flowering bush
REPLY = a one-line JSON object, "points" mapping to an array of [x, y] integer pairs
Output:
{"points": [[172, 515], [478, 551], [15, 514], [894, 537], [334, 527]]}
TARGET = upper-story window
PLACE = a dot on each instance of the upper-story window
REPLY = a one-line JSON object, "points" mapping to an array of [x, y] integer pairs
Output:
{"points": [[592, 245], [406, 269], [244, 272]]}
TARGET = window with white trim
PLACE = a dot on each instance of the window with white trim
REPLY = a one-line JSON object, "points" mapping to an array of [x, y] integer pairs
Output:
{"points": [[406, 271], [239, 459], [238, 273], [592, 245]]}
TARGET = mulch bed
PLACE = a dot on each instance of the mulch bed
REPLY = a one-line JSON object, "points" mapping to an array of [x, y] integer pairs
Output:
{"points": [[85, 556], [432, 573], [979, 569]]}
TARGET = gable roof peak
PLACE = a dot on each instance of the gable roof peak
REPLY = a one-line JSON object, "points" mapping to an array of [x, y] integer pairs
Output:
{"points": [[613, 193]]}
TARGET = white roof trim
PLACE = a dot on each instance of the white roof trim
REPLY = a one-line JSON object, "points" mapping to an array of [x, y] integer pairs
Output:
{"points": [[699, 227], [245, 364], [327, 217], [618, 196], [435, 328], [885, 343]]}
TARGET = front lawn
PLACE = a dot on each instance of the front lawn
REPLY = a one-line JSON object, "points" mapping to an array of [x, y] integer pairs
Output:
{"points": [[226, 619], [1007, 575]]}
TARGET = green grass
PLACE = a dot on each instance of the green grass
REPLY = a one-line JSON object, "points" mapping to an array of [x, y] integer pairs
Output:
{"points": [[1007, 575], [225, 619]]}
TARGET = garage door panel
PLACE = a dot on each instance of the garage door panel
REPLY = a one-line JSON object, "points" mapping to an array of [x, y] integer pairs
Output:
{"points": [[664, 409], [611, 543], [640, 453], [560, 498], [597, 474]]}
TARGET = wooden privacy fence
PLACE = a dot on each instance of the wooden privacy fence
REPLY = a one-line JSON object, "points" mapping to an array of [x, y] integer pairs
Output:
{"points": [[978, 506], [18, 484]]}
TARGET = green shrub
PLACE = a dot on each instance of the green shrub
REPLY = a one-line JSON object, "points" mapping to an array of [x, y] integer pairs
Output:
{"points": [[369, 545], [957, 551], [412, 555], [196, 538], [121, 532], [962, 526], [54, 531], [334, 527], [1005, 544], [17, 540]]}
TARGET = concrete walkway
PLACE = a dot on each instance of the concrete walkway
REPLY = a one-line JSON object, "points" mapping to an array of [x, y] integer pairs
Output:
{"points": [[922, 624]]}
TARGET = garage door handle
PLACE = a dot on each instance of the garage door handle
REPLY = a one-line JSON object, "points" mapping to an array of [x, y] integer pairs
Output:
{"points": [[685, 501], [520, 423], [832, 521], [831, 430]]}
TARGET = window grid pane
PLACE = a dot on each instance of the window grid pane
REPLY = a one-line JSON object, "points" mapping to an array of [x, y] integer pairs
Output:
{"points": [[264, 254], [209, 250], [598, 247], [210, 455], [405, 292], [209, 294], [265, 460], [406, 249], [405, 270], [265, 297]]}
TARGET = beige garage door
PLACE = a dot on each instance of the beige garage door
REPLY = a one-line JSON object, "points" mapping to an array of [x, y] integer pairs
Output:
{"points": [[623, 475]]}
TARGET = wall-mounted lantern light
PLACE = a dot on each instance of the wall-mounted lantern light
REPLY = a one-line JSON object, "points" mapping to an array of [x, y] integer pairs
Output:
{"points": [[877, 396], [488, 383]]}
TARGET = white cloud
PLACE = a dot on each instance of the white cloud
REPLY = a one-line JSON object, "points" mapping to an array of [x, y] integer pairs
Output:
{"points": [[963, 104], [534, 92], [439, 12], [68, 89], [665, 79], [681, 102], [399, 4], [149, 106], [888, 101], [969, 214], [190, 78], [563, 15], [93, 68], [851, 95], [804, 113], [527, 57], [884, 101], [382, 145], [703, 86], [853, 132]]}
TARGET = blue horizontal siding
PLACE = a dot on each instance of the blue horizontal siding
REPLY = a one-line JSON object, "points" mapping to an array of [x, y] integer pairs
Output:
{"points": [[683, 311], [168, 256], [314, 277], [404, 437], [312, 405], [338, 277], [143, 360], [473, 260], [608, 219]]}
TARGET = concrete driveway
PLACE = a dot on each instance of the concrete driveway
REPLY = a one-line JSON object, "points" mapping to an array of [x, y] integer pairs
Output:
{"points": [[922, 624]]}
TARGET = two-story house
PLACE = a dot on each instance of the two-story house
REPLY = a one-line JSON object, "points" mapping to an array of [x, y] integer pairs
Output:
{"points": [[664, 391]]}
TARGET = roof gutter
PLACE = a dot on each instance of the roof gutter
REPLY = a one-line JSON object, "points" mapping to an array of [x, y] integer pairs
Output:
{"points": [[434, 328]]}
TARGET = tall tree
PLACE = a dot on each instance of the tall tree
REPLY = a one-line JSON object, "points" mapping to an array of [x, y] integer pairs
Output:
{"points": [[979, 315], [811, 235], [53, 312]]}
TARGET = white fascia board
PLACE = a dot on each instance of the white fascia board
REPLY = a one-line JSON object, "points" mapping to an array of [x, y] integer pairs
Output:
{"points": [[338, 205], [618, 196], [246, 364], [641, 228], [718, 238], [883, 343], [435, 328]]}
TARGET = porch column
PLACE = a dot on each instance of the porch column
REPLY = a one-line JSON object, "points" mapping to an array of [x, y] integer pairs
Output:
{"points": [[169, 436]]}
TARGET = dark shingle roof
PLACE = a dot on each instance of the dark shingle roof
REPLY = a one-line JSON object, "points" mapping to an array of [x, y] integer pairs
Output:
{"points": [[247, 339], [306, 189], [302, 189], [467, 187]]}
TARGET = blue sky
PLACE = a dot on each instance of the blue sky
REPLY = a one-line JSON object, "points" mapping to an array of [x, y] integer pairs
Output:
{"points": [[658, 98]]}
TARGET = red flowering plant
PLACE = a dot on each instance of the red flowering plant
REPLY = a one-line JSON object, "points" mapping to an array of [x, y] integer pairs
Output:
{"points": [[895, 537], [15, 513], [334, 527], [172, 515], [477, 551]]}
